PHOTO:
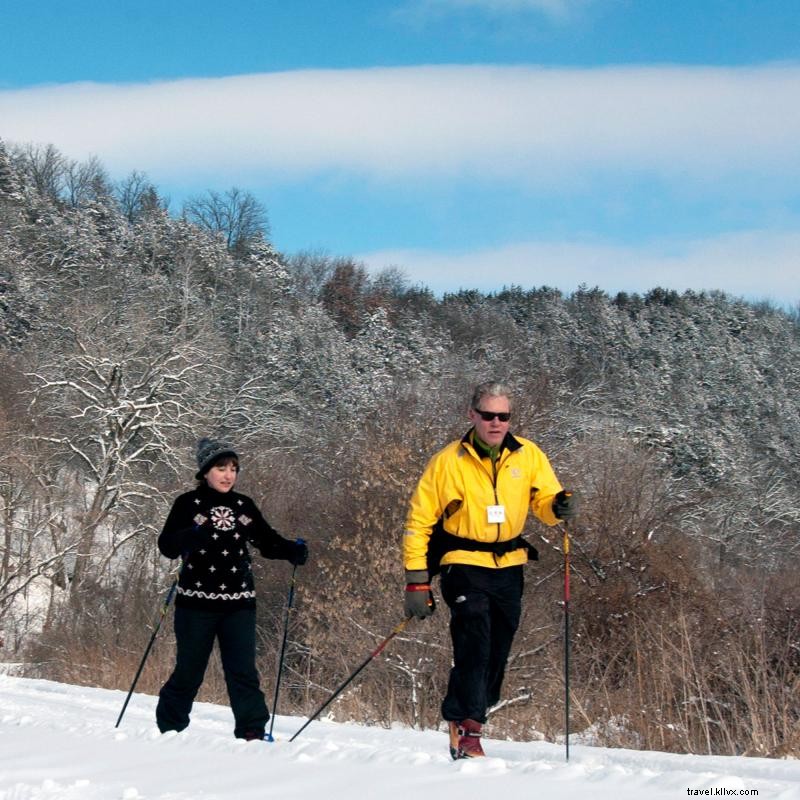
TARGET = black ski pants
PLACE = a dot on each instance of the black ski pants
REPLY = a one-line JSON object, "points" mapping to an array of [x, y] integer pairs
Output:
{"points": [[195, 632], [485, 606]]}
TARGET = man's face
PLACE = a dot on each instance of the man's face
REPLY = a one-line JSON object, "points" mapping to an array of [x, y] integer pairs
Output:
{"points": [[491, 431]]}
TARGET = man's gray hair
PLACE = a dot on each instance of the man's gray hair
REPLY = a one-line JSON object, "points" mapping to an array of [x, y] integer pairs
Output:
{"points": [[490, 389]]}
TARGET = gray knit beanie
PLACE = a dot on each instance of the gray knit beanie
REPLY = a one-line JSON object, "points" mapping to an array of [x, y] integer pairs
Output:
{"points": [[210, 451]]}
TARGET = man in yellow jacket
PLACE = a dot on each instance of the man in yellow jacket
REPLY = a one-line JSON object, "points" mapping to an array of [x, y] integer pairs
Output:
{"points": [[465, 519]]}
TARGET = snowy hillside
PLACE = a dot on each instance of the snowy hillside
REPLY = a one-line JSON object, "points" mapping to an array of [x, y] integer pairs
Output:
{"points": [[58, 742]]}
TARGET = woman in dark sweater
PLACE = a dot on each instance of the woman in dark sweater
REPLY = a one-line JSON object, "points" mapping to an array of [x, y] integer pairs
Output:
{"points": [[210, 528]]}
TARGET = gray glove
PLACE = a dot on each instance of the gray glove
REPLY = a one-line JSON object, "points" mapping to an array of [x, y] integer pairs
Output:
{"points": [[419, 602], [565, 505]]}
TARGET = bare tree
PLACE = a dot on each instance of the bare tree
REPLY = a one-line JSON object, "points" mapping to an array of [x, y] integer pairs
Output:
{"points": [[45, 166], [33, 550], [311, 271], [137, 196], [112, 405], [85, 182], [235, 215]]}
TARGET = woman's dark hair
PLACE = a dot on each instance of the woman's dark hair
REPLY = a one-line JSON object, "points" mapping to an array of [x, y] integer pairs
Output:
{"points": [[222, 461]]}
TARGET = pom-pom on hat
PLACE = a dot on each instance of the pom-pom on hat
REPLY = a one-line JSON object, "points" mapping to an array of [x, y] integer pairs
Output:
{"points": [[210, 451]]}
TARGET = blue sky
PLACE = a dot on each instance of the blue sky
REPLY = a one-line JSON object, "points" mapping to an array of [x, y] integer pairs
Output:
{"points": [[624, 144]]}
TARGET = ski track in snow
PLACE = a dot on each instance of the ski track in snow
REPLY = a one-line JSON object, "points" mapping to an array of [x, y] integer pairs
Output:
{"points": [[58, 742]]}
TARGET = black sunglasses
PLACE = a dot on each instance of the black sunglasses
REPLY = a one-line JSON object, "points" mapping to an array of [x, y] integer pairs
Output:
{"points": [[488, 416]]}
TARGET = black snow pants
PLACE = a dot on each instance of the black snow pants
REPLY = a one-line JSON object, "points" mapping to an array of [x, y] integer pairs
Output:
{"points": [[485, 606], [195, 631]]}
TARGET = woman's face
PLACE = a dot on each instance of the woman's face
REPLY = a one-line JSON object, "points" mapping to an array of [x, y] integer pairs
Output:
{"points": [[222, 476]]}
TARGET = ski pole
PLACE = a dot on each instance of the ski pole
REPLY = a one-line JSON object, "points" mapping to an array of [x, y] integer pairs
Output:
{"points": [[163, 613], [345, 684], [289, 604], [566, 635]]}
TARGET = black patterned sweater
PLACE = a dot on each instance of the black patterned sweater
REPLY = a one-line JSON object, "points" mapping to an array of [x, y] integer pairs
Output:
{"points": [[211, 531]]}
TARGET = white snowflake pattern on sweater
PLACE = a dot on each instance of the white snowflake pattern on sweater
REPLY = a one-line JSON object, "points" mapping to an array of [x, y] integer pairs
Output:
{"points": [[222, 518]]}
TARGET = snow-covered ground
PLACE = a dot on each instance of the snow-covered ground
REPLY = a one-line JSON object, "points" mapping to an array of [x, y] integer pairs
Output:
{"points": [[58, 742]]}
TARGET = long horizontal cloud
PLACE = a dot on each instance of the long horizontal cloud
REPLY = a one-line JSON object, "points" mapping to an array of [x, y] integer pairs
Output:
{"points": [[528, 124], [555, 8], [753, 264]]}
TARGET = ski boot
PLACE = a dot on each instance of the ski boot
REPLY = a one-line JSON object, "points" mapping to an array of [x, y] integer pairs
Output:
{"points": [[465, 739]]}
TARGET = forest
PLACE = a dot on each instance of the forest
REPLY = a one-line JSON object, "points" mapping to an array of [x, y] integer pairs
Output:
{"points": [[128, 330]]}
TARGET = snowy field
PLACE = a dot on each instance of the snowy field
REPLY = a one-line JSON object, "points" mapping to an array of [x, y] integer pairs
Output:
{"points": [[58, 742]]}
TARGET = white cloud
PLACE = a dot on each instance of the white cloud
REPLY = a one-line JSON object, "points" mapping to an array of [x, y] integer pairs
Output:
{"points": [[526, 124], [551, 8], [752, 264]]}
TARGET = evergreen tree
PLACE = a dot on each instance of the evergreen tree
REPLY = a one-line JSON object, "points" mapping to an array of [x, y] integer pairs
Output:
{"points": [[9, 183]]}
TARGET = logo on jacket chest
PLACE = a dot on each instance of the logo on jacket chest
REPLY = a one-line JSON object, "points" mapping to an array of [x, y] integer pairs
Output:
{"points": [[222, 518]]}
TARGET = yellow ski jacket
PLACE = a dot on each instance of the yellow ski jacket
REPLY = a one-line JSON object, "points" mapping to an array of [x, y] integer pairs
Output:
{"points": [[471, 496]]}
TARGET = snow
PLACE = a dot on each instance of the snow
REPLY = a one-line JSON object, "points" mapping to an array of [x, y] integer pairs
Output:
{"points": [[58, 742]]}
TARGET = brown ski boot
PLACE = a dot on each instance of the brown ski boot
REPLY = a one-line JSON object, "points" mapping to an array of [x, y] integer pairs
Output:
{"points": [[465, 739]]}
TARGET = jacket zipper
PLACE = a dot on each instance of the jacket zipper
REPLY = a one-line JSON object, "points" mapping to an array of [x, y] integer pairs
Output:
{"points": [[493, 477]]}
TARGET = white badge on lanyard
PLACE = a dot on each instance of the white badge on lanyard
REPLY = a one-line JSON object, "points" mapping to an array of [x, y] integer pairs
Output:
{"points": [[495, 514]]}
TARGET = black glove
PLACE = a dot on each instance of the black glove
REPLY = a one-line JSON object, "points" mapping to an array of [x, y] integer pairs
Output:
{"points": [[419, 602], [565, 505], [297, 552], [192, 539], [533, 553]]}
